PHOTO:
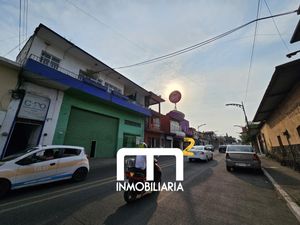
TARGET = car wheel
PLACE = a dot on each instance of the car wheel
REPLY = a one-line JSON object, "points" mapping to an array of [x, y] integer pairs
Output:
{"points": [[4, 187], [80, 174], [228, 168], [130, 196], [190, 159]]}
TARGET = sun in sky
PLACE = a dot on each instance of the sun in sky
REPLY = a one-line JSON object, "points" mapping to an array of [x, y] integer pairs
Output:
{"points": [[173, 86]]}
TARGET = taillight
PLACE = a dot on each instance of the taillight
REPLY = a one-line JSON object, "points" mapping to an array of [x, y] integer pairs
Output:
{"points": [[129, 174], [227, 156], [255, 157]]}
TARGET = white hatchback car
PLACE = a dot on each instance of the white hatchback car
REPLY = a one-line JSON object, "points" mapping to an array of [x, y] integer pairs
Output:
{"points": [[200, 152], [42, 164]]}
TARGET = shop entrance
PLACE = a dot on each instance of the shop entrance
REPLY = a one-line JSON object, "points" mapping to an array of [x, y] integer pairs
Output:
{"points": [[25, 134]]}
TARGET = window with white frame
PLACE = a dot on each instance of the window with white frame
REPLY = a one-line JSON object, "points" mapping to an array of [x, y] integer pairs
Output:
{"points": [[111, 88], [174, 126], [49, 60]]}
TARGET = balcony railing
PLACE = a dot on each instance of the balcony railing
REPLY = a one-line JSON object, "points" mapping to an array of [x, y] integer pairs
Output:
{"points": [[81, 77], [60, 69]]}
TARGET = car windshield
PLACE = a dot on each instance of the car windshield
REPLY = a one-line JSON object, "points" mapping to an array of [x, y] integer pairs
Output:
{"points": [[240, 148], [18, 154]]}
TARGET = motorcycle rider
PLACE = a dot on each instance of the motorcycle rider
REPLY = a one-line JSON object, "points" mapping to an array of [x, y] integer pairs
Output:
{"points": [[140, 160], [140, 163]]}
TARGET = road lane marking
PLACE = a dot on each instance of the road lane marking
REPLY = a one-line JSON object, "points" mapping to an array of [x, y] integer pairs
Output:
{"points": [[58, 191], [90, 184], [295, 209], [70, 189], [53, 197], [63, 192]]}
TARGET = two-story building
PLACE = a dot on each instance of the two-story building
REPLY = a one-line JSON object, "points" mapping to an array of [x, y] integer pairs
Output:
{"points": [[174, 136], [154, 135], [70, 97], [9, 98]]}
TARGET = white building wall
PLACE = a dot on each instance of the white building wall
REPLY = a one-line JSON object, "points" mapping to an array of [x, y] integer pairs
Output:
{"points": [[8, 122], [68, 61], [56, 98]]}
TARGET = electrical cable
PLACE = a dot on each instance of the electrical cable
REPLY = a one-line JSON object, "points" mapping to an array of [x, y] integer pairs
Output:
{"points": [[284, 43], [252, 52], [190, 48], [25, 17], [104, 24], [20, 20], [14, 48]]}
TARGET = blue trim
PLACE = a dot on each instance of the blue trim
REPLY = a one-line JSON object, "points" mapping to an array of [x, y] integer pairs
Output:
{"points": [[35, 181], [52, 74], [132, 106]]}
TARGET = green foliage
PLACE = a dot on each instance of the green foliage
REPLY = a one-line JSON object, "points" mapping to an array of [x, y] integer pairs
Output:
{"points": [[245, 138]]}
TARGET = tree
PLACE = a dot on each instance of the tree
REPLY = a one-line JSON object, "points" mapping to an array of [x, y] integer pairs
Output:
{"points": [[245, 138]]}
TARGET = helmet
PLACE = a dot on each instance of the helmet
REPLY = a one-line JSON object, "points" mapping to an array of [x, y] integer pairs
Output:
{"points": [[142, 145]]}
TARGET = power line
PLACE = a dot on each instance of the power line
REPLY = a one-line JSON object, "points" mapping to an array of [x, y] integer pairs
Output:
{"points": [[252, 52], [14, 48], [284, 43], [104, 24], [200, 44], [20, 21], [24, 17]]}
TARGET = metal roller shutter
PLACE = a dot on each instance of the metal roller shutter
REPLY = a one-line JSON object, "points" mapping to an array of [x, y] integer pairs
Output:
{"points": [[88, 129]]}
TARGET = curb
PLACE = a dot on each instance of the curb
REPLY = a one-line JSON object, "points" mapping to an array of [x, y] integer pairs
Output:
{"points": [[295, 209]]}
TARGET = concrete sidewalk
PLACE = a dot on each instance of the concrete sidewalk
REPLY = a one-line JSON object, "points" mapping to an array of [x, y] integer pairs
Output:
{"points": [[286, 181]]}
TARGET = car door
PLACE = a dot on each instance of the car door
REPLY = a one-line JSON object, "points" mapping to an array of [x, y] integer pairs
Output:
{"points": [[37, 168], [69, 161]]}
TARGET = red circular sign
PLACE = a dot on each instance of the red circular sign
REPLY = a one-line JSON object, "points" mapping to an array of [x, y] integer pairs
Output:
{"points": [[175, 96]]}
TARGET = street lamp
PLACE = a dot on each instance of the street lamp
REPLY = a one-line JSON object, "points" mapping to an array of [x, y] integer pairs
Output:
{"points": [[243, 108], [201, 125]]}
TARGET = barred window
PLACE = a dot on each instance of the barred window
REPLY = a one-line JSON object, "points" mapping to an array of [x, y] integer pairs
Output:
{"points": [[49, 60]]}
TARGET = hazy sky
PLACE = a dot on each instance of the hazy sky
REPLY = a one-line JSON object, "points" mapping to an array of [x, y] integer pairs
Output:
{"points": [[120, 33]]}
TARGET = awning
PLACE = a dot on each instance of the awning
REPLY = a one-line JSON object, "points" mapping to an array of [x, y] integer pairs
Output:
{"points": [[283, 80], [296, 34]]}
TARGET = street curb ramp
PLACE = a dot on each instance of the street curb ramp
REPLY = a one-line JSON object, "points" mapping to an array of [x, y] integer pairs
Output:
{"points": [[295, 209]]}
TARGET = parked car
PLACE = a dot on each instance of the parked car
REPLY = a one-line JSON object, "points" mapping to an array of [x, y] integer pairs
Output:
{"points": [[200, 153], [41, 165], [210, 148], [222, 148], [242, 156]]}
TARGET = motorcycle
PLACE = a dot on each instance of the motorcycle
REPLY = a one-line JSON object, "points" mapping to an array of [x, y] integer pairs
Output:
{"points": [[137, 176]]}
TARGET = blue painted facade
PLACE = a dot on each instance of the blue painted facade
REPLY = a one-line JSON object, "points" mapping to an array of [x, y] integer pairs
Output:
{"points": [[36, 67]]}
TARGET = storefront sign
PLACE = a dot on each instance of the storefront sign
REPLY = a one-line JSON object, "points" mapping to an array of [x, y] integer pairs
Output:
{"points": [[34, 107]]}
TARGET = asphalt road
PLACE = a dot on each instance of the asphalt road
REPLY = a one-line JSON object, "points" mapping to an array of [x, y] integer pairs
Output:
{"points": [[211, 196]]}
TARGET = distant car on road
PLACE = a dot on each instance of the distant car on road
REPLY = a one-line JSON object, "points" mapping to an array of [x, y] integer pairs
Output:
{"points": [[222, 148], [200, 153], [242, 156], [210, 148], [43, 164]]}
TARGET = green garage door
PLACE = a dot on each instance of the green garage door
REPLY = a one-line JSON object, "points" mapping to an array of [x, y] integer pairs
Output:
{"points": [[92, 131]]}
